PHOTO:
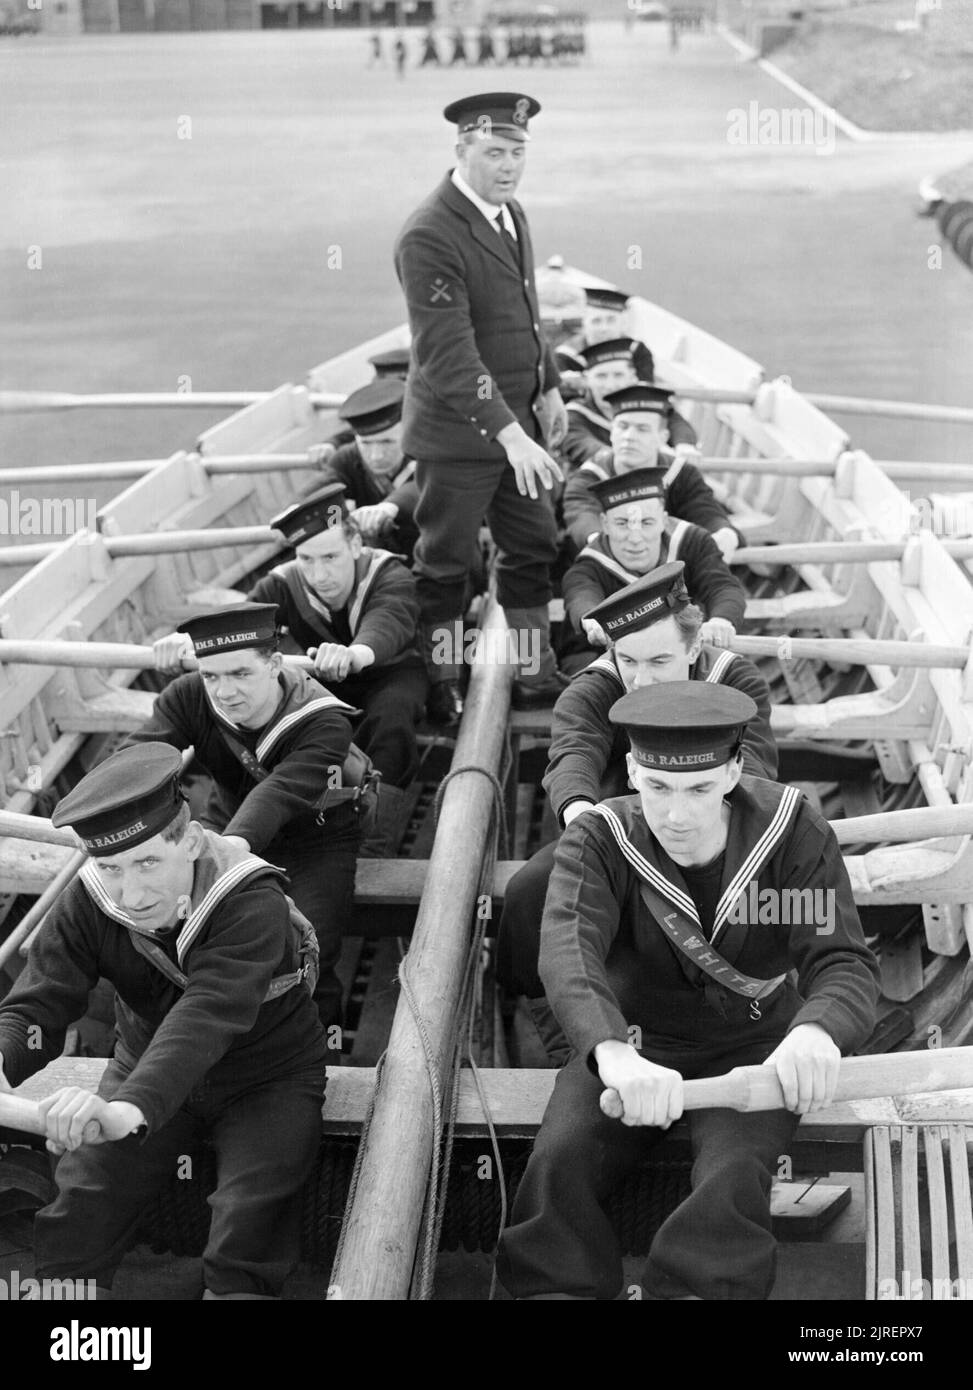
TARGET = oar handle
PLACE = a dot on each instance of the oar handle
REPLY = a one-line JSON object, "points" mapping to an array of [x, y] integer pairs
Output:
{"points": [[25, 1115], [859, 1078]]}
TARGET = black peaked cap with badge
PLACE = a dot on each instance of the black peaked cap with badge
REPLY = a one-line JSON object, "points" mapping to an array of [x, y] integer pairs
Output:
{"points": [[501, 111], [326, 507], [375, 407], [684, 726], [127, 799], [638, 486], [651, 599], [231, 629]]}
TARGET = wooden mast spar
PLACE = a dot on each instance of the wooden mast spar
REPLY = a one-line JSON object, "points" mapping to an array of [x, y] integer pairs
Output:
{"points": [[383, 1221]]}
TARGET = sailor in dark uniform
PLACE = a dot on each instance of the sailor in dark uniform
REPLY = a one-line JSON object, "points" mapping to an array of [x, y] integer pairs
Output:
{"points": [[654, 633], [373, 470], [604, 321], [637, 436], [353, 609], [216, 1035], [637, 535], [274, 742], [608, 369], [657, 972]]}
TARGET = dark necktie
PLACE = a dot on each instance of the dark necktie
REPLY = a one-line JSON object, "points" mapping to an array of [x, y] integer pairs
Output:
{"points": [[508, 239]]}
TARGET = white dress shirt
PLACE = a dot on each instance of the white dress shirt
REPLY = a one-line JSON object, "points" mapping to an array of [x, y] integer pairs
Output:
{"points": [[489, 210]]}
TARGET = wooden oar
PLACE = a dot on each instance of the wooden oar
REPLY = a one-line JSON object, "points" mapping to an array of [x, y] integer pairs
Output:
{"points": [[859, 1078], [152, 543], [893, 410], [837, 552], [33, 920], [120, 471], [122, 656], [852, 651], [922, 823], [898, 469], [25, 1115], [18, 402]]}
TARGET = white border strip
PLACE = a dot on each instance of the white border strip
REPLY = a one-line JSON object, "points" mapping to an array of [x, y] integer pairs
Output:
{"points": [[848, 128]]}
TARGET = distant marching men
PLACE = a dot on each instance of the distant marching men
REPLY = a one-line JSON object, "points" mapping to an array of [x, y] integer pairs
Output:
{"points": [[430, 52], [275, 744], [653, 630], [216, 1034], [637, 535], [655, 974], [353, 609], [373, 470]]}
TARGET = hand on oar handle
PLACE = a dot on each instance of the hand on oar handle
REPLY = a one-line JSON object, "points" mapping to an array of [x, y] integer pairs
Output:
{"points": [[639, 1091], [169, 652], [73, 1116]]}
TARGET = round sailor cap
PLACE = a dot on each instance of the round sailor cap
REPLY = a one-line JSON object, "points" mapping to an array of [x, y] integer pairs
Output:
{"points": [[651, 599], [324, 508], [125, 800], [395, 362], [507, 112], [603, 298], [612, 350], [653, 400], [684, 726], [375, 407], [637, 486], [231, 629]]}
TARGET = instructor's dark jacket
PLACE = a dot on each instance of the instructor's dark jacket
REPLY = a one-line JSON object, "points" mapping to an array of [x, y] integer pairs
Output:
{"points": [[479, 361]]}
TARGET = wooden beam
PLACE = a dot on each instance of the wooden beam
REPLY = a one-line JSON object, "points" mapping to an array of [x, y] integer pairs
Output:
{"points": [[853, 651], [152, 543], [20, 402], [98, 655], [383, 1221], [125, 469]]}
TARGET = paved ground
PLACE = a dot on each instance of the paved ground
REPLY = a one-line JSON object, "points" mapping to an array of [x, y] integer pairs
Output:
{"points": [[208, 257]]}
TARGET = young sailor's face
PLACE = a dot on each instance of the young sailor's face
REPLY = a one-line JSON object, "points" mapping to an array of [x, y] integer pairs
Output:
{"points": [[492, 165], [636, 438], [243, 685], [382, 452], [654, 655], [327, 562], [600, 325], [634, 533], [608, 377], [684, 810], [153, 882]]}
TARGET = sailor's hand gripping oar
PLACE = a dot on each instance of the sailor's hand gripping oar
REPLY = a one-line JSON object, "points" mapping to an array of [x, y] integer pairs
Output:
{"points": [[761, 1088], [68, 1118]]}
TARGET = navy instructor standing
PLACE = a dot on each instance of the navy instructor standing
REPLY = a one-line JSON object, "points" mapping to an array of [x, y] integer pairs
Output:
{"points": [[482, 403]]}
